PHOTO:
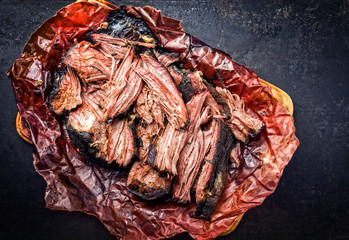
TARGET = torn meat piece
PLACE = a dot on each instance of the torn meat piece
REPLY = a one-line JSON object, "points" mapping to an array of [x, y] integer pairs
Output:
{"points": [[146, 183], [117, 47], [244, 125], [176, 74], [88, 118], [214, 171], [169, 148], [148, 134], [68, 95], [123, 89], [166, 58], [121, 146], [147, 107], [190, 85], [161, 83], [90, 64], [194, 151]]}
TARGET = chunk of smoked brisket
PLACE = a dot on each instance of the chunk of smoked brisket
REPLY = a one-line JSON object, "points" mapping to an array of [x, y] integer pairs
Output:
{"points": [[193, 153], [121, 145], [214, 173], [123, 89], [88, 118], [146, 183], [244, 125], [67, 95], [90, 64], [158, 79]]}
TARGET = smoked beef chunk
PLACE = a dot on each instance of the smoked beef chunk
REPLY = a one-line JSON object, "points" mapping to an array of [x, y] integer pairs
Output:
{"points": [[244, 125], [90, 64], [193, 153], [214, 173], [67, 95], [146, 183], [159, 80]]}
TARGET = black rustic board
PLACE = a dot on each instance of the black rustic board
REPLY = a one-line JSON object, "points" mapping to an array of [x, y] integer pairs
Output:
{"points": [[303, 48]]}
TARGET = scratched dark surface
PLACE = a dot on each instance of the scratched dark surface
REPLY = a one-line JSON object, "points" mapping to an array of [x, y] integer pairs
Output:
{"points": [[301, 48]]}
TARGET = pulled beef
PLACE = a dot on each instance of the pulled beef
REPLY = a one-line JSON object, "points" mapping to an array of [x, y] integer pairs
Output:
{"points": [[148, 108], [121, 145], [169, 148], [244, 125], [161, 83], [88, 118], [67, 95], [122, 25], [113, 104], [116, 47], [146, 183], [193, 153], [214, 173], [90, 64]]}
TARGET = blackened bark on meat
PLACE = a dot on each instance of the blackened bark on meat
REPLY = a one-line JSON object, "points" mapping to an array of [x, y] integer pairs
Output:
{"points": [[214, 173], [148, 108], [159, 80], [82, 141], [146, 183], [121, 25], [245, 126], [169, 148]]}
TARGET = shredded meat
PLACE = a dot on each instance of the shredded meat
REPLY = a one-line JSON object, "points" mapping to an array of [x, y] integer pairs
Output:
{"points": [[244, 126], [161, 83], [68, 95], [121, 145], [90, 64]]}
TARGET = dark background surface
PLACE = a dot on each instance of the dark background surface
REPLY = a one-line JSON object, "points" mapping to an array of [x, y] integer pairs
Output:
{"points": [[303, 48]]}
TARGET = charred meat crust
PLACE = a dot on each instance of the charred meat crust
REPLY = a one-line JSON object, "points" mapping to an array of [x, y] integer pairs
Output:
{"points": [[214, 187], [146, 183], [82, 141], [121, 25]]}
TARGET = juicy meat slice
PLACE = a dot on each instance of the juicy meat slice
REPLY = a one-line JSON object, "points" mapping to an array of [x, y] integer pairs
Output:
{"points": [[88, 118], [121, 146], [123, 89], [146, 183], [214, 172], [147, 107], [90, 64], [68, 95], [161, 83], [244, 125], [193, 153]]}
